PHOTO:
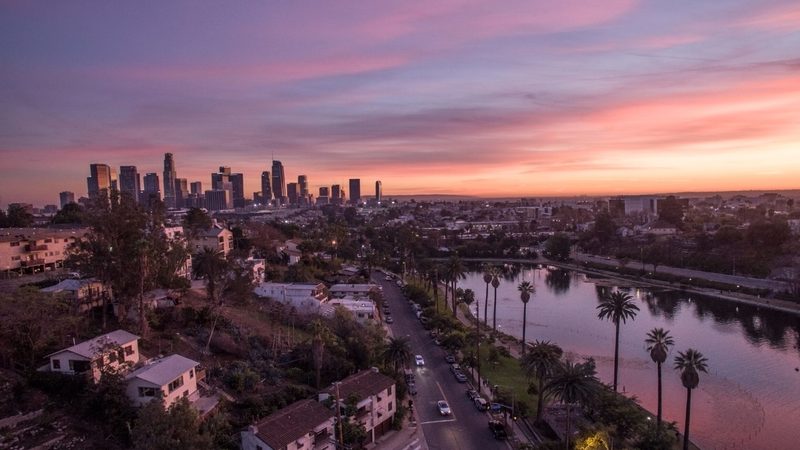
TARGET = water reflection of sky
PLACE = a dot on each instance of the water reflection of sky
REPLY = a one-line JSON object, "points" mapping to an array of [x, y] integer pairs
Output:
{"points": [[751, 397]]}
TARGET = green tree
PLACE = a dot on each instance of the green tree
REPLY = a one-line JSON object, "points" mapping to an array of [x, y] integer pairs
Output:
{"points": [[670, 210], [177, 428], [210, 265], [617, 307], [658, 344], [18, 217], [455, 271], [690, 363], [541, 362], [572, 383], [196, 221], [558, 247], [496, 273], [487, 278], [397, 352], [71, 213], [525, 289]]}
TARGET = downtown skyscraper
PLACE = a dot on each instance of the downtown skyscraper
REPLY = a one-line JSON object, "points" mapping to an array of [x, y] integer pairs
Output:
{"points": [[278, 182], [129, 182], [169, 180], [266, 187], [355, 190], [99, 181]]}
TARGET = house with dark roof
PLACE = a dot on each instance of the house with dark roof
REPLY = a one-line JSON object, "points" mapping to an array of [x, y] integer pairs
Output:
{"points": [[306, 425], [117, 350], [375, 397]]}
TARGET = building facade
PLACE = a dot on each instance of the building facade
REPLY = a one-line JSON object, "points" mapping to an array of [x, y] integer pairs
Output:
{"points": [[355, 190], [278, 182], [169, 180]]}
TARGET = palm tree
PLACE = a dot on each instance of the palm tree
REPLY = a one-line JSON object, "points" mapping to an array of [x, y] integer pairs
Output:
{"points": [[212, 266], [487, 278], [690, 363], [526, 289], [658, 343], [397, 352], [455, 272], [495, 283], [540, 362], [617, 307], [572, 384], [321, 336]]}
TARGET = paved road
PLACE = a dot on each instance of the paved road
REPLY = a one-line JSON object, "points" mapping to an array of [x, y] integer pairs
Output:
{"points": [[467, 428]]}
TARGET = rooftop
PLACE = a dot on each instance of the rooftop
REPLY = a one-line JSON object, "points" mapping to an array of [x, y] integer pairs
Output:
{"points": [[88, 349], [292, 423], [164, 370], [363, 384]]}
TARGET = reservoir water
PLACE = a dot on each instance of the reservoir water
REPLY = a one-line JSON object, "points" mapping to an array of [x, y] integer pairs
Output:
{"points": [[750, 399]]}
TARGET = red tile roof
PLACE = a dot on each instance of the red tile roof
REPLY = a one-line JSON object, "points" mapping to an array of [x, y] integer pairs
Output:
{"points": [[292, 423]]}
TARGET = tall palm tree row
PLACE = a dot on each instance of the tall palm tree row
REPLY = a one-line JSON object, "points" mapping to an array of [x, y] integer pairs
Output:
{"points": [[690, 363], [495, 284], [487, 278], [658, 343], [572, 383], [455, 271], [525, 289], [617, 307], [397, 352], [541, 362]]}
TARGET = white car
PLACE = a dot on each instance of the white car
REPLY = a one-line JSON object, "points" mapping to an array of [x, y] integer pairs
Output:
{"points": [[444, 408], [419, 360]]}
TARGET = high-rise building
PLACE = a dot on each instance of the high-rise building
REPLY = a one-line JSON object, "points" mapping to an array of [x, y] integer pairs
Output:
{"points": [[181, 192], [219, 180], [219, 199], [378, 191], [225, 170], [152, 190], [337, 195], [291, 193], [324, 195], [114, 180], [99, 181], [66, 197], [237, 185], [278, 182], [129, 182], [169, 180], [197, 187], [355, 190], [302, 182], [266, 187]]}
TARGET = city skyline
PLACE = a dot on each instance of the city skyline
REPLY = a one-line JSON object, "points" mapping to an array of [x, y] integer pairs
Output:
{"points": [[532, 99]]}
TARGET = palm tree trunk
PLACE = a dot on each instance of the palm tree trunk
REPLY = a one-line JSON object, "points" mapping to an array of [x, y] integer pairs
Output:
{"points": [[616, 354], [478, 340], [211, 334], [658, 416], [454, 297], [486, 305], [540, 401], [566, 431], [494, 314], [688, 412], [524, 326]]}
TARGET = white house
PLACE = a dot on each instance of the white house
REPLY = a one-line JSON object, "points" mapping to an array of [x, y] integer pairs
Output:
{"points": [[363, 309], [170, 378], [117, 350], [306, 425], [353, 290], [84, 294], [306, 298], [376, 400], [215, 238]]}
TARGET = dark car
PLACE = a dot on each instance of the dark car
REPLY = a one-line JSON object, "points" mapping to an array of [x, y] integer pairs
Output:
{"points": [[498, 429], [481, 404], [472, 394], [460, 377], [389, 319], [450, 359]]}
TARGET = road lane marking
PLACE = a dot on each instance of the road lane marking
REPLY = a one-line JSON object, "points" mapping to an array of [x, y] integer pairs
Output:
{"points": [[437, 421]]}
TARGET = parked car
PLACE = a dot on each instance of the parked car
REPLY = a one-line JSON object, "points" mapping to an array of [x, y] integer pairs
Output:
{"points": [[460, 377], [387, 278], [481, 404], [412, 389], [419, 360], [444, 408], [472, 394], [450, 359], [498, 429], [455, 368], [389, 319]]}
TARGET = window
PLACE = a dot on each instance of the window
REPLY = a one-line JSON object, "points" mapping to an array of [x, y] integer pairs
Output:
{"points": [[191, 373], [258, 447], [56, 364], [129, 350], [15, 258], [178, 382], [149, 392], [15, 244], [390, 389], [390, 406]]}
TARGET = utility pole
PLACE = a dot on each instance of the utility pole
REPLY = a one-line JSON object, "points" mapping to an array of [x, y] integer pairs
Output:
{"points": [[339, 417]]}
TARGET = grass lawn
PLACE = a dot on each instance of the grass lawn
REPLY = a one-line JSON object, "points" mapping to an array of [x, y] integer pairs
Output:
{"points": [[509, 376]]}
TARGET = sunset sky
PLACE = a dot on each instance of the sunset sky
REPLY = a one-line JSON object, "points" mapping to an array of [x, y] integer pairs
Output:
{"points": [[491, 98]]}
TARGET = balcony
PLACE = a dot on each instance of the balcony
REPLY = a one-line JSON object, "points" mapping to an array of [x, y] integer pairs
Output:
{"points": [[36, 247], [32, 263]]}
